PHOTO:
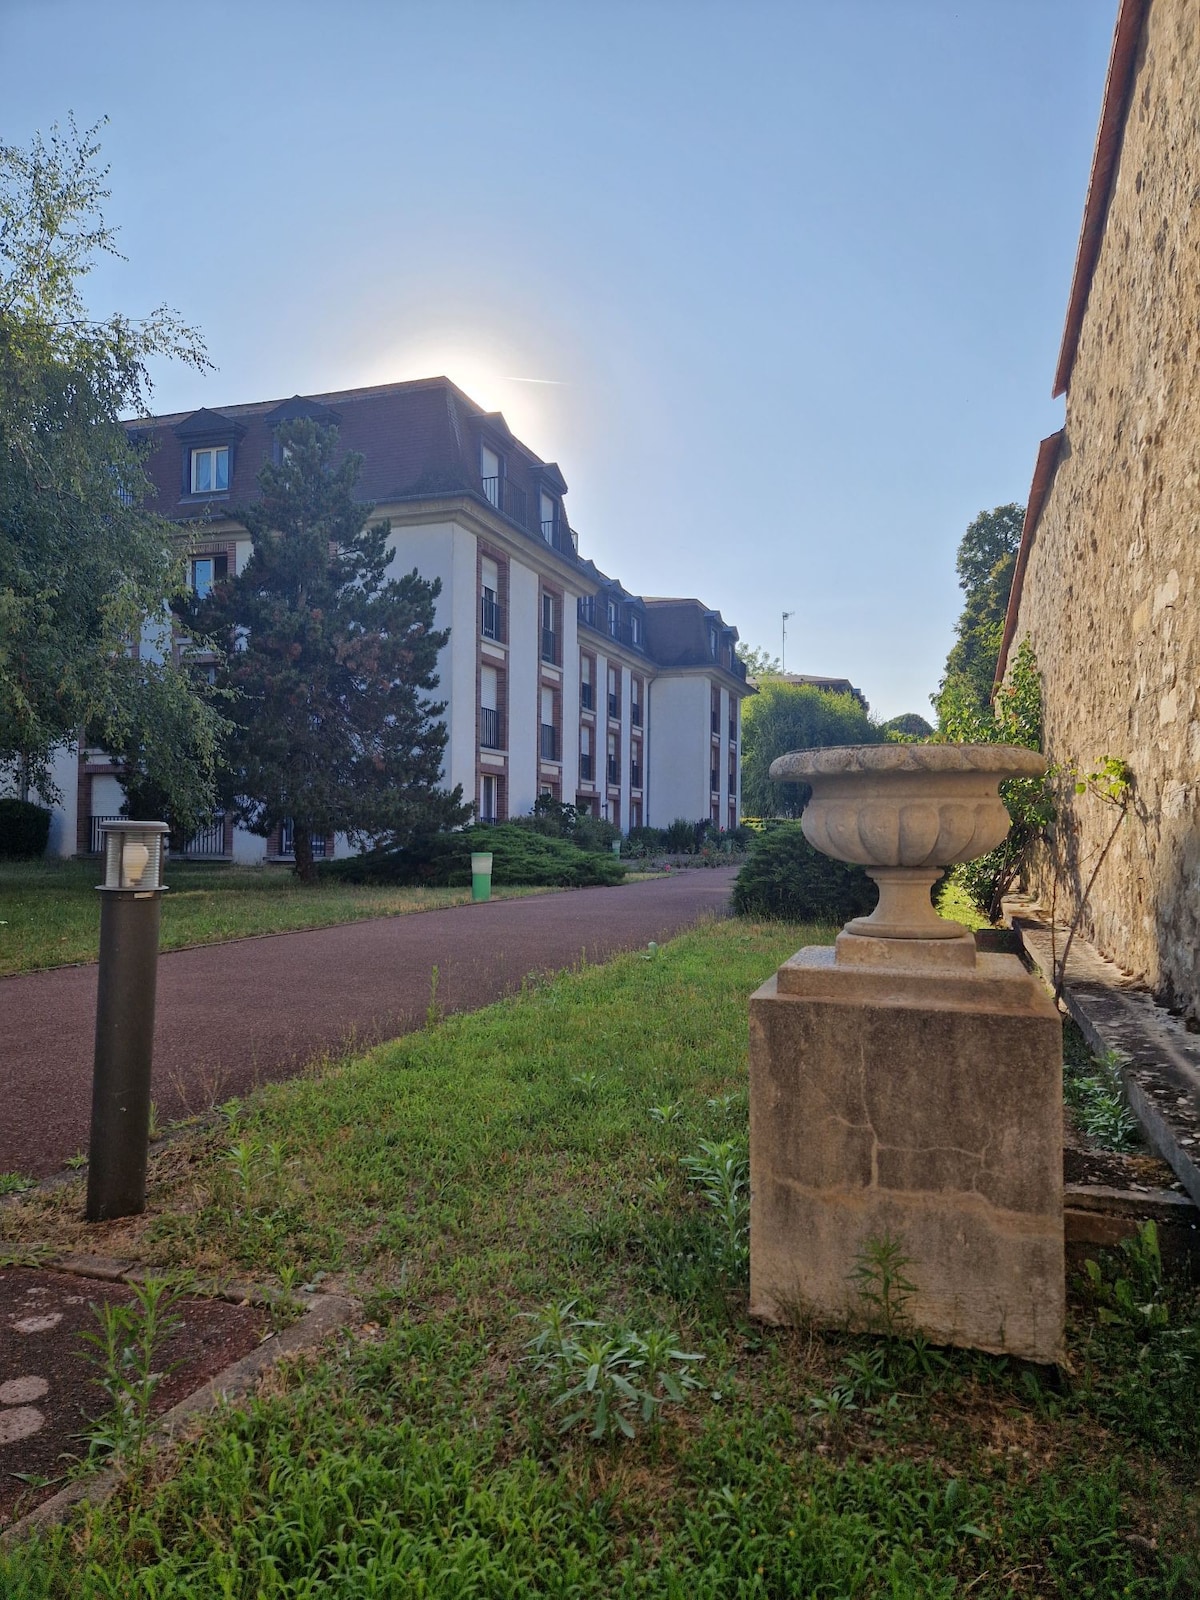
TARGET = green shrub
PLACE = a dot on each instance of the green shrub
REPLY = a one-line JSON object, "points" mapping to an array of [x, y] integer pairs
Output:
{"points": [[24, 830], [683, 837], [594, 833], [785, 877], [520, 856]]}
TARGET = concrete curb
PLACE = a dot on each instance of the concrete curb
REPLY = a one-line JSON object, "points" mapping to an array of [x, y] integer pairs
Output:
{"points": [[326, 1313]]}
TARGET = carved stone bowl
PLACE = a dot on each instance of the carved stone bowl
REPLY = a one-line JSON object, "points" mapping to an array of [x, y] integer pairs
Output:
{"points": [[905, 812]]}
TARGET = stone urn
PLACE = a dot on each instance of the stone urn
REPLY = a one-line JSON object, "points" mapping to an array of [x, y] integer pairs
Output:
{"points": [[906, 812]]}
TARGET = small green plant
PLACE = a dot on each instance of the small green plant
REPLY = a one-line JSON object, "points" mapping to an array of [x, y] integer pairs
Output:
{"points": [[833, 1407], [1095, 1092], [154, 1127], [609, 1377], [880, 1285], [78, 1161], [127, 1350], [586, 1082], [433, 1011], [242, 1160], [721, 1171], [670, 1111], [14, 1183], [1128, 1288]]}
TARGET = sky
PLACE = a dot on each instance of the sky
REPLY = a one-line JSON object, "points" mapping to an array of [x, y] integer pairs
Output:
{"points": [[780, 286]]}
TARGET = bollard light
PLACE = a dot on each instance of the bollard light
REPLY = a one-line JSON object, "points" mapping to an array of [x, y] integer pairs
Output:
{"points": [[130, 899]]}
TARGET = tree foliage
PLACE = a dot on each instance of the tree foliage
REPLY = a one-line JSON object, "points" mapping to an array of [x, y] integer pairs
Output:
{"points": [[909, 726], [787, 716], [328, 661], [758, 663], [84, 568], [986, 562]]}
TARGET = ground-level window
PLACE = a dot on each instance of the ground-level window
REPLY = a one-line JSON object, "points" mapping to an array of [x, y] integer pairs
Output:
{"points": [[207, 570], [489, 798], [635, 813]]}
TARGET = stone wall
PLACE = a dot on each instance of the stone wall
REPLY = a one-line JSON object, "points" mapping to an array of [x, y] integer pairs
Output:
{"points": [[1109, 599]]}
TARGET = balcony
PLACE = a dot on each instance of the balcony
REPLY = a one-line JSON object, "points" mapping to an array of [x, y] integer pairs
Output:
{"points": [[210, 841], [550, 647], [635, 775], [635, 713], [506, 497], [549, 746], [614, 771], [287, 842], [614, 707], [585, 766], [491, 620], [491, 732], [587, 697]]}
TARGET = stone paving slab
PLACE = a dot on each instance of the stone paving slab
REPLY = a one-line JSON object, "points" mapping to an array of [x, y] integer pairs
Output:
{"points": [[231, 1016]]}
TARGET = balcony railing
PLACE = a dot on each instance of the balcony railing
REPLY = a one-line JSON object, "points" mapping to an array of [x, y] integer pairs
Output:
{"points": [[549, 742], [585, 609], [635, 775], [550, 646], [548, 529], [95, 835], [614, 771], [715, 719], [614, 706], [635, 713], [716, 781], [587, 697], [490, 618], [210, 840], [733, 727], [490, 733], [506, 497], [287, 842], [585, 766]]}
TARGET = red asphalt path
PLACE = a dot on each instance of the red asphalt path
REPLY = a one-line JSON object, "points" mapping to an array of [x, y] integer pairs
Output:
{"points": [[230, 1016]]}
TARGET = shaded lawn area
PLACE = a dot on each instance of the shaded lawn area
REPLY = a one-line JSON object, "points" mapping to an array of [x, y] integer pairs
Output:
{"points": [[50, 911], [462, 1180]]}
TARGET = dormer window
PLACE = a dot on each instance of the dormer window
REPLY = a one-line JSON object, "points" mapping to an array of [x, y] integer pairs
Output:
{"points": [[491, 470], [614, 620], [210, 469], [635, 628], [712, 641], [549, 516]]}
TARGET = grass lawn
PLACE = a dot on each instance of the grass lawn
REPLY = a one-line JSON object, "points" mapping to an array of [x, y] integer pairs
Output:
{"points": [[535, 1155], [50, 911]]}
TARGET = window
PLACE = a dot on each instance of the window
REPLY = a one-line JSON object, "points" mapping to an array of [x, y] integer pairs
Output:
{"points": [[586, 608], [549, 516], [585, 753], [210, 470], [614, 692], [287, 841], [489, 590], [635, 813], [489, 797], [635, 701], [614, 620], [614, 770], [549, 636], [712, 640], [491, 470], [635, 628], [635, 765], [207, 570], [490, 733], [549, 745], [587, 692], [715, 713]]}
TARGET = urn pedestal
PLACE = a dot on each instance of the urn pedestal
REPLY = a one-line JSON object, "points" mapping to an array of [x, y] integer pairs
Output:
{"points": [[904, 1087]]}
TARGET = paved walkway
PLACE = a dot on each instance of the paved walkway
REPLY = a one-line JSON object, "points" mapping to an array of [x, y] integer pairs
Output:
{"points": [[233, 1015]]}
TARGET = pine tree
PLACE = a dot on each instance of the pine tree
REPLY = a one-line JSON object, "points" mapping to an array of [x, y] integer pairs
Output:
{"points": [[987, 560], [328, 661]]}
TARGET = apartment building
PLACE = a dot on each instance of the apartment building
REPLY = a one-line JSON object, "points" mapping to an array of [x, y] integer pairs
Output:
{"points": [[557, 679]]}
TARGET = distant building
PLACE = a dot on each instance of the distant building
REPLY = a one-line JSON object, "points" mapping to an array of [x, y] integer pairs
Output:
{"points": [[808, 680], [557, 679]]}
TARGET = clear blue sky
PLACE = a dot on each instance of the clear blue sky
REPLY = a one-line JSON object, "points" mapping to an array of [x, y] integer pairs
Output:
{"points": [[797, 270]]}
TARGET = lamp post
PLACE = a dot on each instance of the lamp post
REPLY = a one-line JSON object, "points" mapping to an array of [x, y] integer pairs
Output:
{"points": [[129, 914]]}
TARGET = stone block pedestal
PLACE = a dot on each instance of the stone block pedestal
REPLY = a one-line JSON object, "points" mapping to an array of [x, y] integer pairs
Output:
{"points": [[891, 1098]]}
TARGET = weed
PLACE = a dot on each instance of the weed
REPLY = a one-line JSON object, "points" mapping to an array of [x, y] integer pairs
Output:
{"points": [[670, 1111], [433, 1011], [882, 1290], [586, 1082], [1095, 1092], [78, 1161], [127, 1349], [1131, 1292], [14, 1183], [154, 1128], [721, 1171], [610, 1377]]}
